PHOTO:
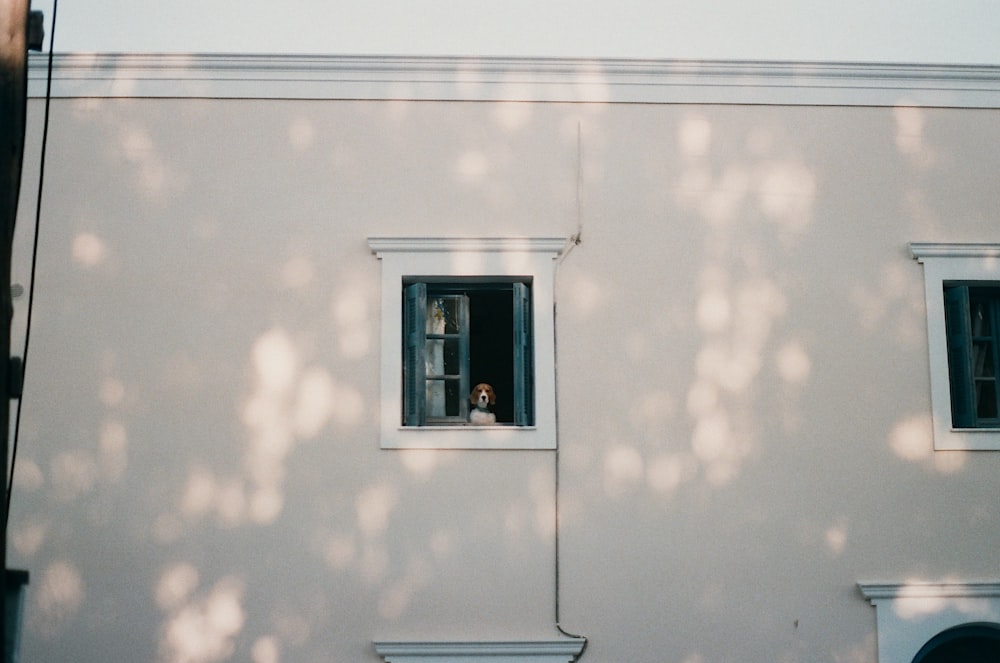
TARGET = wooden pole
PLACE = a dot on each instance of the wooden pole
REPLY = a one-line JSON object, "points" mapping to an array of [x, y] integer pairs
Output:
{"points": [[13, 101]]}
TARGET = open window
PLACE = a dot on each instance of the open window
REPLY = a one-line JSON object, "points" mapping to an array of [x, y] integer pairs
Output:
{"points": [[972, 319], [457, 312], [962, 295], [459, 333]]}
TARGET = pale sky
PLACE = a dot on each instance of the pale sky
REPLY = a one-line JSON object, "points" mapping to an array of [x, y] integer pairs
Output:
{"points": [[910, 31]]}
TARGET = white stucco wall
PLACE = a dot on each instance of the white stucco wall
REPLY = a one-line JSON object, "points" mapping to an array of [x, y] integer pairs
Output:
{"points": [[743, 398]]}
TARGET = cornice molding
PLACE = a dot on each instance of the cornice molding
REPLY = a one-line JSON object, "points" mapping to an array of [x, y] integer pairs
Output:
{"points": [[922, 250], [929, 590], [514, 79], [553, 245]]}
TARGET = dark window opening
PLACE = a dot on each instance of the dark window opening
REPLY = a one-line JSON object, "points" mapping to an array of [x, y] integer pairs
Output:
{"points": [[972, 323], [460, 333], [970, 643]]}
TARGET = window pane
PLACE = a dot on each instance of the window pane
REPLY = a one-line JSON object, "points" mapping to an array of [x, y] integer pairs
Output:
{"points": [[452, 398], [982, 360], [443, 315], [442, 399], [435, 398], [986, 399], [980, 318], [443, 357]]}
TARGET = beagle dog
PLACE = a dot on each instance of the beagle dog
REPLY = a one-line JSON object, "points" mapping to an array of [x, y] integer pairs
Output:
{"points": [[482, 399]]}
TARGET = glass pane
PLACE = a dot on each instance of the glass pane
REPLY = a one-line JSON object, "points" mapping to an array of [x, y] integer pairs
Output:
{"points": [[435, 403], [451, 398], [434, 357], [442, 357], [982, 360], [442, 399], [443, 315], [980, 318], [986, 399]]}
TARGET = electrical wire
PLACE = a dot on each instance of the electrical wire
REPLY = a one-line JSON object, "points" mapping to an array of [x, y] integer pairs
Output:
{"points": [[573, 242], [34, 256]]}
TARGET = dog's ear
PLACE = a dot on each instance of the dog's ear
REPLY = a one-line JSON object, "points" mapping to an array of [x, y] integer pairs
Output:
{"points": [[493, 396]]}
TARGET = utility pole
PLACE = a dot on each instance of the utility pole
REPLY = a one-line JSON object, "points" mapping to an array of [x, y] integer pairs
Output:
{"points": [[13, 101], [13, 104]]}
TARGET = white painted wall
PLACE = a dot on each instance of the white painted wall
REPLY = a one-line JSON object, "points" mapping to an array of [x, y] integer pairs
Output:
{"points": [[743, 398]]}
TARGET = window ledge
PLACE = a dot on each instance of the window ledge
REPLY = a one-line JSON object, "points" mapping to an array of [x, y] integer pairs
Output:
{"points": [[535, 651], [468, 437], [467, 427]]}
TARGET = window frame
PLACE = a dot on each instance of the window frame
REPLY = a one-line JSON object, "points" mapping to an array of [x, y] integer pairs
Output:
{"points": [[470, 259], [944, 263]]}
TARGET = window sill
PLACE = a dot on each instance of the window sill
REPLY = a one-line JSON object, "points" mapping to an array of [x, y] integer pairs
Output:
{"points": [[467, 427], [537, 651], [969, 439], [467, 437]]}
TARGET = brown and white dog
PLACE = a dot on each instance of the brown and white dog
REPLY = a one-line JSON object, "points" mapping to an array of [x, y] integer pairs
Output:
{"points": [[482, 399]]}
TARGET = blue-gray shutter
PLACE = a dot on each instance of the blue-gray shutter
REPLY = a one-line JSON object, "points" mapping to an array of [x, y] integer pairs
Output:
{"points": [[414, 344], [465, 357], [958, 329], [524, 377]]}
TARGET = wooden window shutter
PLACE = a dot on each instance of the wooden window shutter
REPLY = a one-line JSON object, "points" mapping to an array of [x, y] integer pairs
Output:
{"points": [[524, 378], [957, 325], [414, 343]]}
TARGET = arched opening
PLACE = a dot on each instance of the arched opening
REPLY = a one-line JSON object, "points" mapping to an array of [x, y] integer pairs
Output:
{"points": [[969, 643]]}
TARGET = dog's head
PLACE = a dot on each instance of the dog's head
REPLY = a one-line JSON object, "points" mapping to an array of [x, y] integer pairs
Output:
{"points": [[482, 396]]}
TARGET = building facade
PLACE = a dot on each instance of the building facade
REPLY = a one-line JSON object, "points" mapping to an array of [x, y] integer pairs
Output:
{"points": [[730, 450]]}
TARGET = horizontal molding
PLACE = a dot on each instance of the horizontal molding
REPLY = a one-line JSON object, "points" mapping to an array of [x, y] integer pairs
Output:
{"points": [[553, 245], [930, 590], [533, 651], [921, 250], [514, 79]]}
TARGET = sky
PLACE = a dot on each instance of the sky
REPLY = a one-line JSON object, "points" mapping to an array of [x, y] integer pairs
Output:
{"points": [[885, 31]]}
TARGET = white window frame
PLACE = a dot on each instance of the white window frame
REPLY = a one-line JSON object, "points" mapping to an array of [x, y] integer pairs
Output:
{"points": [[952, 262], [528, 651], [404, 257], [908, 615]]}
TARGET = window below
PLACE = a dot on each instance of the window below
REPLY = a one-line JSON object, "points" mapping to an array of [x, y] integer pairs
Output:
{"points": [[970, 643], [962, 295], [457, 312], [919, 622]]}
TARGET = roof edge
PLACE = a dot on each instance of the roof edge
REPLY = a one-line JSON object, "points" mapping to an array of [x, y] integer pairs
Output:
{"points": [[176, 75]]}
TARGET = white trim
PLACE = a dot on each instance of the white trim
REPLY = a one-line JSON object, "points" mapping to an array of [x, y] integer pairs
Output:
{"points": [[923, 250], [463, 257], [943, 262], [876, 591], [515, 79], [909, 614], [381, 245], [536, 651]]}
